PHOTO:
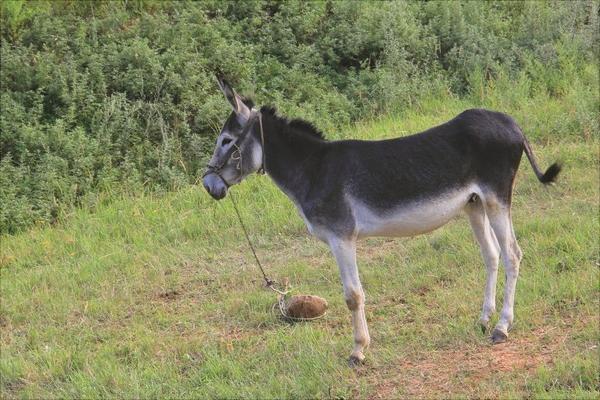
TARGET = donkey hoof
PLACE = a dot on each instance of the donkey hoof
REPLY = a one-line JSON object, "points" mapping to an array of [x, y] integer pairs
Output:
{"points": [[356, 360], [498, 336]]}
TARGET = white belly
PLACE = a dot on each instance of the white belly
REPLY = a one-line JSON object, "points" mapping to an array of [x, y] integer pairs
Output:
{"points": [[411, 219]]}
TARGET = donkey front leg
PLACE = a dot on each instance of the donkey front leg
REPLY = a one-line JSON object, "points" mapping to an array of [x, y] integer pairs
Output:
{"points": [[344, 251]]}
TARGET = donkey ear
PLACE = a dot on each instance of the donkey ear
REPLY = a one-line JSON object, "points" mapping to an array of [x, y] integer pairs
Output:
{"points": [[242, 111]]}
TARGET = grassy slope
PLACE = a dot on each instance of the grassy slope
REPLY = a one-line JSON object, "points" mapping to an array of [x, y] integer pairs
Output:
{"points": [[160, 297]]}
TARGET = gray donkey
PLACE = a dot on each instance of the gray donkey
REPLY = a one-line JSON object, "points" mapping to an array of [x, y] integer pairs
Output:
{"points": [[349, 189]]}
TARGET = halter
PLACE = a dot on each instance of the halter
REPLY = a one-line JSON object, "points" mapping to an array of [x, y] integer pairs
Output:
{"points": [[235, 153]]}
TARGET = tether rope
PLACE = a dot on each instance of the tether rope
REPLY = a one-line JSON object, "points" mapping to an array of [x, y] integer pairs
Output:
{"points": [[270, 283]]}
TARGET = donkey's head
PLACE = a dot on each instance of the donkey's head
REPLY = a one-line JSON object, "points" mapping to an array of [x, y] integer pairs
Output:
{"points": [[238, 151]]}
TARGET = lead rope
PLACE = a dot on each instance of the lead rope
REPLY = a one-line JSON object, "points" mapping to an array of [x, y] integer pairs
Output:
{"points": [[268, 282], [281, 295]]}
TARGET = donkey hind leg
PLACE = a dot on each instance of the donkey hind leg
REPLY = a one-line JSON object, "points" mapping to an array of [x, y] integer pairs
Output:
{"points": [[500, 219], [490, 251], [345, 255]]}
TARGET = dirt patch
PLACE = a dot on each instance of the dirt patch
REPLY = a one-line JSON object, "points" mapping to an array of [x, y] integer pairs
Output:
{"points": [[13, 386], [169, 295], [3, 321], [374, 249], [469, 369]]}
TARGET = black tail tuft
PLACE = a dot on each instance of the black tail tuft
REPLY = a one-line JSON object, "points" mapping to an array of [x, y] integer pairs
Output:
{"points": [[551, 173]]}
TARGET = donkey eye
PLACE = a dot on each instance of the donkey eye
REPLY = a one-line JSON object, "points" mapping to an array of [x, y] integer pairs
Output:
{"points": [[225, 141]]}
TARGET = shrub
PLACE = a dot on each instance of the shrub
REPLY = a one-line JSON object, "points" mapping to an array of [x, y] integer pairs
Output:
{"points": [[121, 95]]}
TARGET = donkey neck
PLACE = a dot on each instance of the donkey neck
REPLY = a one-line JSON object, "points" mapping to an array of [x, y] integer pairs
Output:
{"points": [[291, 156]]}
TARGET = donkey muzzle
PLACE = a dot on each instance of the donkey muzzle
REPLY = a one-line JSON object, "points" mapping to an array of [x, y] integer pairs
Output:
{"points": [[215, 186]]}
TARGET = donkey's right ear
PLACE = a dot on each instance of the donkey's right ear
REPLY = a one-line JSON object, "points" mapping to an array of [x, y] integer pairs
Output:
{"points": [[227, 90], [232, 97]]}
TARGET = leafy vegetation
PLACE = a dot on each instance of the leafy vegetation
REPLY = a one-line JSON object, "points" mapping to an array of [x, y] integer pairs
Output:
{"points": [[112, 97]]}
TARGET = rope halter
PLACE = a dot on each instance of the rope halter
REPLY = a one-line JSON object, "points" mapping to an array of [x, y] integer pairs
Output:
{"points": [[235, 153]]}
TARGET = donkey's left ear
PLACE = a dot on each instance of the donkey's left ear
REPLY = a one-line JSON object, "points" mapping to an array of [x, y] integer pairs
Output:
{"points": [[239, 108]]}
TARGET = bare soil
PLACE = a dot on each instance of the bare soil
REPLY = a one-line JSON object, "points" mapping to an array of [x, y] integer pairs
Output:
{"points": [[474, 369]]}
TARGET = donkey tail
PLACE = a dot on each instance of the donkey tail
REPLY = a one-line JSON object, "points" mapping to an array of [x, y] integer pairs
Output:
{"points": [[551, 173]]}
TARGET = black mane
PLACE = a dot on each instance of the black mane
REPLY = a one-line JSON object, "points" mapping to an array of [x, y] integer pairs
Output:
{"points": [[297, 125], [248, 102]]}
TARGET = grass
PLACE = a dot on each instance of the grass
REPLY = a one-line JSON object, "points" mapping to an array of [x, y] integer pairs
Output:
{"points": [[159, 296]]}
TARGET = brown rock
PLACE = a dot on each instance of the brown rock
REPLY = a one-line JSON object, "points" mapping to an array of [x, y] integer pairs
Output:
{"points": [[306, 306]]}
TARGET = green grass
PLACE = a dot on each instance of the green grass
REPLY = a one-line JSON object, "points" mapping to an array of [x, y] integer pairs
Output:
{"points": [[159, 296]]}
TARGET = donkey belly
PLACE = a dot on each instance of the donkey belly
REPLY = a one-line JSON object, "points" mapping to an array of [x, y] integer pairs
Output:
{"points": [[419, 216]]}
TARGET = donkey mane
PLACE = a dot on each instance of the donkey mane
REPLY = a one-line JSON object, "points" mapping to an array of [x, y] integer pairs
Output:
{"points": [[248, 102], [296, 125]]}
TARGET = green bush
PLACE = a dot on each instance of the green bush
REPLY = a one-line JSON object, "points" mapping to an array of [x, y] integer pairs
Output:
{"points": [[121, 96]]}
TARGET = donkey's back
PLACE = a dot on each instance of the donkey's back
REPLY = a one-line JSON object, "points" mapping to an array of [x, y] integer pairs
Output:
{"points": [[477, 146]]}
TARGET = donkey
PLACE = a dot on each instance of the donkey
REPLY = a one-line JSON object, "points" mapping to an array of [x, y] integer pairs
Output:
{"points": [[350, 189]]}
